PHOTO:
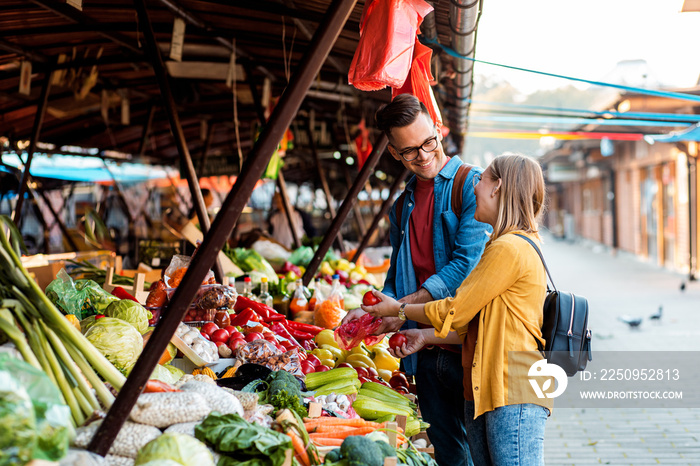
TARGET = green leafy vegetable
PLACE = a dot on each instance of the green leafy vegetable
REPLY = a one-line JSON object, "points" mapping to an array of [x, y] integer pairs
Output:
{"points": [[167, 373], [242, 443], [118, 341], [250, 261], [179, 448], [131, 312], [82, 298], [284, 392]]}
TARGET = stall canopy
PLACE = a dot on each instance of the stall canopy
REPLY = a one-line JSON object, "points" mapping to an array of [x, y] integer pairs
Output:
{"points": [[690, 134], [223, 59]]}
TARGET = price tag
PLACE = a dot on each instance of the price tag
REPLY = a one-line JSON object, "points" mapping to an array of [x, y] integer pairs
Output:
{"points": [[178, 39]]}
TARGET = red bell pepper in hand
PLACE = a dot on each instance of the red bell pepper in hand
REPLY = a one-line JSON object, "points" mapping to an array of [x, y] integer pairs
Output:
{"points": [[121, 293]]}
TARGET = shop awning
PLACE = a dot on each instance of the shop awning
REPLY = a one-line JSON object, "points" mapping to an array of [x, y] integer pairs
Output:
{"points": [[688, 134]]}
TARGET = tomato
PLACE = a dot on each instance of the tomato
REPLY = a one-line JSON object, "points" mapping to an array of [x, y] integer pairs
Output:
{"points": [[307, 367], [361, 372], [313, 359], [252, 336], [234, 343], [398, 380], [231, 329], [397, 340], [372, 372], [369, 299], [321, 368], [209, 328], [343, 364], [206, 337], [220, 335], [237, 334]]}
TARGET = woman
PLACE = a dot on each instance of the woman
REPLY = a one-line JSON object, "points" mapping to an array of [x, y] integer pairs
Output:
{"points": [[497, 311]]}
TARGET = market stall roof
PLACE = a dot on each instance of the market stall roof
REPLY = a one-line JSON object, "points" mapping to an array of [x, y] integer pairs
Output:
{"points": [[104, 92]]}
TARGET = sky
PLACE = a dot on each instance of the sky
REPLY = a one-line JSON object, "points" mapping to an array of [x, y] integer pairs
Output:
{"points": [[587, 40]]}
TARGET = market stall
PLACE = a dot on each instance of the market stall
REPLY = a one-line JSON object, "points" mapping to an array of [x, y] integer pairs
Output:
{"points": [[187, 366]]}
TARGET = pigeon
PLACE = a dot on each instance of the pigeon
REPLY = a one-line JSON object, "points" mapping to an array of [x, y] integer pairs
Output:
{"points": [[657, 315], [682, 286], [633, 322]]}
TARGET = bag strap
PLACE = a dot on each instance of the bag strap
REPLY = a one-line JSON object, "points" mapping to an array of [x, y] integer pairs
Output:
{"points": [[458, 188], [399, 208], [541, 257]]}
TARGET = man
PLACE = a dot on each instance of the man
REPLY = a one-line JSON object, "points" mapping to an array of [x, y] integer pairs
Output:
{"points": [[434, 250]]}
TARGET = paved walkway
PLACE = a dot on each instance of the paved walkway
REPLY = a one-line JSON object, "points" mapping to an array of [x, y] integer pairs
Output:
{"points": [[617, 285]]}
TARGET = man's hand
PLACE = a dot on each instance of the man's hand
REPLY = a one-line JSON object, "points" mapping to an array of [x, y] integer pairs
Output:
{"points": [[415, 340]]}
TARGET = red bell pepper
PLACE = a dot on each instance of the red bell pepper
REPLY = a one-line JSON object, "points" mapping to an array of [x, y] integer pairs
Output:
{"points": [[308, 328], [121, 293], [266, 313], [281, 331], [299, 335], [243, 317]]}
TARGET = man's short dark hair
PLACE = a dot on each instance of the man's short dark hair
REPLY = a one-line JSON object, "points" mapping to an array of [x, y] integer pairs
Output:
{"points": [[402, 111]]}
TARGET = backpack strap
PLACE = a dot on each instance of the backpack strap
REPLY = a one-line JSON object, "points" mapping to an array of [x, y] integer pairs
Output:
{"points": [[458, 188], [541, 257], [399, 208]]}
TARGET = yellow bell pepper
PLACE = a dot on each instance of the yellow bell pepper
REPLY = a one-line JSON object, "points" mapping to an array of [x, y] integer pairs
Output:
{"points": [[360, 349], [383, 343], [325, 337], [384, 374], [337, 353], [326, 268], [343, 264], [325, 356], [360, 360], [383, 360]]}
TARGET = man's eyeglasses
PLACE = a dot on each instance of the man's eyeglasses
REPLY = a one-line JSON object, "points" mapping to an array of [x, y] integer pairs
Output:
{"points": [[409, 155], [476, 179]]}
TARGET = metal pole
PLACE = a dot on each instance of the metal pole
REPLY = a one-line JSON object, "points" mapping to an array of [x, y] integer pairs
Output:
{"points": [[359, 220], [175, 126], [386, 205], [288, 209], [324, 181], [147, 130], [231, 210], [36, 129], [367, 168], [205, 149], [60, 223]]}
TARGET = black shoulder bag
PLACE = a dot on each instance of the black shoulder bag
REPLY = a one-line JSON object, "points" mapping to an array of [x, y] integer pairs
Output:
{"points": [[565, 326]]}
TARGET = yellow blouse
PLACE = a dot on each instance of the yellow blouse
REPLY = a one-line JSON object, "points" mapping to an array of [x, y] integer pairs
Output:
{"points": [[507, 289]]}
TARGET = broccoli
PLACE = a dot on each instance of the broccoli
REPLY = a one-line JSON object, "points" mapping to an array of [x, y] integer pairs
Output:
{"points": [[361, 451], [386, 449], [332, 456], [284, 392]]}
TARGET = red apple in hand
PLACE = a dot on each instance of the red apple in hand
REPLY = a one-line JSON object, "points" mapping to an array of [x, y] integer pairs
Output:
{"points": [[369, 299], [397, 340]]}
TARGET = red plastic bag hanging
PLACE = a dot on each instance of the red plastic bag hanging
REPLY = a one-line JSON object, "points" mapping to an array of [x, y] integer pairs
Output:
{"points": [[362, 143], [418, 81], [351, 333], [387, 35]]}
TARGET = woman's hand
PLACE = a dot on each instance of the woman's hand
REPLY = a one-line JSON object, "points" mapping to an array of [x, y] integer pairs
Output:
{"points": [[386, 307], [415, 340]]}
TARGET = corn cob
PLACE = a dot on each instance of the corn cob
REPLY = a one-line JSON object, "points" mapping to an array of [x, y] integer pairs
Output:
{"points": [[230, 372]]}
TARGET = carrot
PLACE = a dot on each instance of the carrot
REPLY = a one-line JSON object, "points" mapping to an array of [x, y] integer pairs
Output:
{"points": [[336, 421], [156, 386], [299, 449], [323, 428], [344, 433], [328, 442]]}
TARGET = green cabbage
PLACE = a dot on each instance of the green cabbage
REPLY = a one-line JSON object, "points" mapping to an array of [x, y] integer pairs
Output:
{"points": [[86, 323], [117, 340], [130, 311], [180, 448], [167, 373]]}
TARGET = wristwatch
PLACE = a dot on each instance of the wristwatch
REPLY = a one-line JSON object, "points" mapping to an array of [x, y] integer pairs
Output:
{"points": [[402, 311]]}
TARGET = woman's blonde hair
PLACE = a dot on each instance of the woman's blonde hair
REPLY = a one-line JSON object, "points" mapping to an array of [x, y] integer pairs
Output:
{"points": [[522, 194]]}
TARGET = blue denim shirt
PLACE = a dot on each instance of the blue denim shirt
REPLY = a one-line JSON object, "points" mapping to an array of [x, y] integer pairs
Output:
{"points": [[457, 242]]}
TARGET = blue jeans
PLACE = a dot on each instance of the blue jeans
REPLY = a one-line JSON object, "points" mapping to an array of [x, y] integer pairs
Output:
{"points": [[439, 383], [507, 436]]}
